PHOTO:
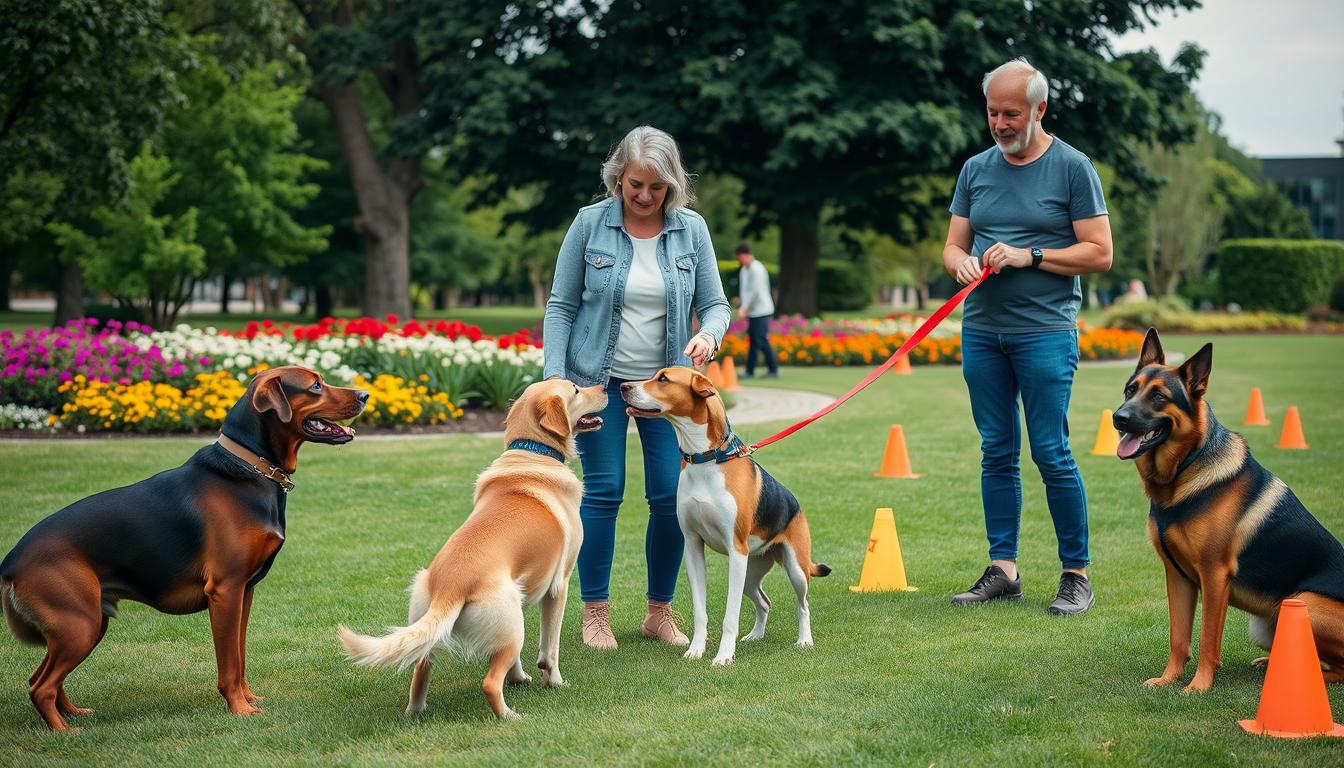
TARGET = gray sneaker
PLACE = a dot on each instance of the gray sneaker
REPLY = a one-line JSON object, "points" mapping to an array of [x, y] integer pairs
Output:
{"points": [[1074, 597], [992, 585]]}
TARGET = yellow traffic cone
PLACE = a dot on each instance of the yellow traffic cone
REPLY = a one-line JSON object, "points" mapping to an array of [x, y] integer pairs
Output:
{"points": [[883, 569], [1108, 440]]}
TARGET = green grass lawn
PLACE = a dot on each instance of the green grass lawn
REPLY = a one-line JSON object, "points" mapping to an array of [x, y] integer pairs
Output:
{"points": [[894, 679]]}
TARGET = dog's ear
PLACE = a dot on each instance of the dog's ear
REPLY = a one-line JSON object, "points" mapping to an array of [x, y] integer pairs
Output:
{"points": [[1152, 351], [268, 394], [702, 386], [553, 418], [1195, 371]]}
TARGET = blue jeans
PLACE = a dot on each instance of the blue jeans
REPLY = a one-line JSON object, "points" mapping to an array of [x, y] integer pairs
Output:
{"points": [[1039, 368], [758, 341], [602, 454]]}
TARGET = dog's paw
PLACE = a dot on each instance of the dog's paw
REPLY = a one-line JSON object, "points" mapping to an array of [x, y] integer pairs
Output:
{"points": [[753, 635], [695, 651], [510, 716], [722, 660], [1197, 686], [414, 709], [552, 679], [1156, 682], [521, 678], [804, 642], [1260, 662]]}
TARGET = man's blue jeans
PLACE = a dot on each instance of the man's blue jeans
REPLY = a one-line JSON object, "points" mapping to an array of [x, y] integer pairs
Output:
{"points": [[1039, 368], [602, 454]]}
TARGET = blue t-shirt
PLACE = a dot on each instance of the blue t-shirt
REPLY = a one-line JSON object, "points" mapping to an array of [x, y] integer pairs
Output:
{"points": [[1026, 206]]}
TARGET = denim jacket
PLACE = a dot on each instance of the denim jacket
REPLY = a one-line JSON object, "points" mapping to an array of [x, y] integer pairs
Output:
{"points": [[583, 315]]}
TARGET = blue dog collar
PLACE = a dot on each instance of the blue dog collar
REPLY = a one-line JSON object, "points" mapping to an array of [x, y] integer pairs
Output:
{"points": [[731, 448], [535, 447]]}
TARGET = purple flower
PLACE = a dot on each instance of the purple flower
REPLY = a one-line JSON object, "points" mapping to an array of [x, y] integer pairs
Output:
{"points": [[205, 360], [64, 376]]}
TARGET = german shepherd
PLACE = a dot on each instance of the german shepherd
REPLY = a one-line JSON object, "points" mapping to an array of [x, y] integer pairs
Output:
{"points": [[1221, 523]]}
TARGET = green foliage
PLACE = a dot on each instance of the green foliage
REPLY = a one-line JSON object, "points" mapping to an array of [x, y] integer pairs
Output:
{"points": [[82, 84], [1252, 210], [843, 285], [1282, 275], [26, 200], [138, 252], [235, 143], [839, 105]]}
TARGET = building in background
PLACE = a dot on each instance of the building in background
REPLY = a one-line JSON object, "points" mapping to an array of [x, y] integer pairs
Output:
{"points": [[1314, 184]]}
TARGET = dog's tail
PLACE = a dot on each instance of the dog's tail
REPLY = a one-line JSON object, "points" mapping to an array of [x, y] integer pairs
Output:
{"points": [[430, 626], [23, 629], [820, 569]]}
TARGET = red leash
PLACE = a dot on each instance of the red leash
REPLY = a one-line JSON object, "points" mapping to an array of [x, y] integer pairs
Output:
{"points": [[909, 344]]}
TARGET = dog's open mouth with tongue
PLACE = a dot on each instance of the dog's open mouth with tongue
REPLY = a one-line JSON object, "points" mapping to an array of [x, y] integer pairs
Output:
{"points": [[324, 431], [1133, 444]]}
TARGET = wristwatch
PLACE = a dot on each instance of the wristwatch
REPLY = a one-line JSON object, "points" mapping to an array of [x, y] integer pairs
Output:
{"points": [[1037, 256]]}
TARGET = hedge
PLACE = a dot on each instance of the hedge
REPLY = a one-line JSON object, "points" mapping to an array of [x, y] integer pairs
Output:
{"points": [[1278, 275]]}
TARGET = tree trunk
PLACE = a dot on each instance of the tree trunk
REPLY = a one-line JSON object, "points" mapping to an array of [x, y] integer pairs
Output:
{"points": [[322, 303], [384, 198], [6, 277], [799, 250], [69, 291], [540, 287], [224, 282]]}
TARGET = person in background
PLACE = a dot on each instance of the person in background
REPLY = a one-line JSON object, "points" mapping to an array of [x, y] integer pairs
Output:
{"points": [[757, 308], [632, 272], [1029, 208]]}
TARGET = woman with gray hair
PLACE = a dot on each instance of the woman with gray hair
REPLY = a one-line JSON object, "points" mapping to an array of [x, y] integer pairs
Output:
{"points": [[632, 271]]}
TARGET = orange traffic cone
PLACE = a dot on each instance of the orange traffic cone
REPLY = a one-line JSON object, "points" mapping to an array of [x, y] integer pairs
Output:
{"points": [[715, 374], [1293, 704], [895, 461], [1255, 410], [902, 366], [1292, 431], [729, 370], [883, 569], [1108, 440]]}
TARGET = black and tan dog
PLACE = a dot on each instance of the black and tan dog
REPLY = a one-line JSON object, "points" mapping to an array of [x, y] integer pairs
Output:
{"points": [[189, 539], [1222, 524]]}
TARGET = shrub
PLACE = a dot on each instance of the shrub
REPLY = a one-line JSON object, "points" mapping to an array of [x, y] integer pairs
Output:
{"points": [[1280, 275], [1141, 315], [843, 285]]}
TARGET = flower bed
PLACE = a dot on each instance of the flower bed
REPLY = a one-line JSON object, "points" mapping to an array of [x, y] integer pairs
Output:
{"points": [[870, 342], [127, 377]]}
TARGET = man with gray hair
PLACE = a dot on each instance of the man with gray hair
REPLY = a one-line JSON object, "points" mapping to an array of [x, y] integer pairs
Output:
{"points": [[1031, 210]]}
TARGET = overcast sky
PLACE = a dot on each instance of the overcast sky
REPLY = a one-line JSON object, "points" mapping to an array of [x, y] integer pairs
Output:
{"points": [[1274, 70]]}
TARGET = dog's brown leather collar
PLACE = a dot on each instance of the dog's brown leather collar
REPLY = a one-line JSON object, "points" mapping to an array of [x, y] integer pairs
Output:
{"points": [[259, 464]]}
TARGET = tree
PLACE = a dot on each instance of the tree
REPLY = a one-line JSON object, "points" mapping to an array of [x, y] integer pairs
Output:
{"points": [[138, 253], [1186, 220], [234, 142], [82, 84], [811, 104], [422, 57]]}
